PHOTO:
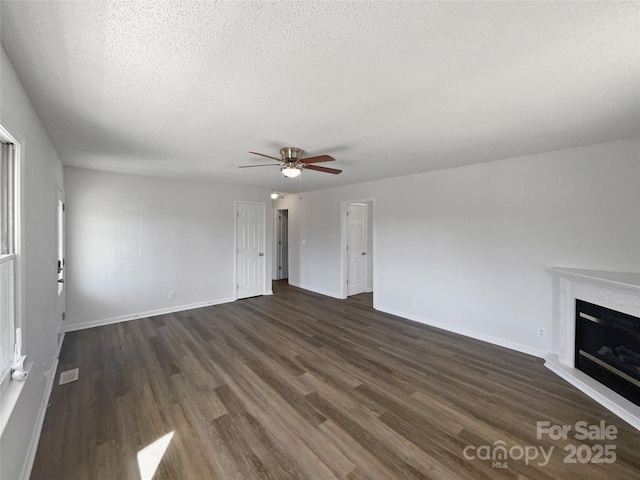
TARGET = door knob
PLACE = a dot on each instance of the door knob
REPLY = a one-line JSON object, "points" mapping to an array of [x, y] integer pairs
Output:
{"points": [[261, 254], [61, 280], [364, 253]]}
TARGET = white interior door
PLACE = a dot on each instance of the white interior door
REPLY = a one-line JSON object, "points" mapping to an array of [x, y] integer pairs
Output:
{"points": [[60, 259], [249, 249], [356, 249], [283, 244]]}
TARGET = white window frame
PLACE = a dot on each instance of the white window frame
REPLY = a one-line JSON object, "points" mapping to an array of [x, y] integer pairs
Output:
{"points": [[15, 256]]}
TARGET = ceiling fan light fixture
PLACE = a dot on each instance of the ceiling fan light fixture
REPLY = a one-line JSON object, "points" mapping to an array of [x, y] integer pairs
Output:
{"points": [[291, 172], [274, 195]]}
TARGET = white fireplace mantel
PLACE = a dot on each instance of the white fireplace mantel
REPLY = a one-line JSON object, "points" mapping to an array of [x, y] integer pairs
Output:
{"points": [[615, 290]]}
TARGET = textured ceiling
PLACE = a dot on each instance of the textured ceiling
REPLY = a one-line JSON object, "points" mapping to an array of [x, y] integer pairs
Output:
{"points": [[186, 88]]}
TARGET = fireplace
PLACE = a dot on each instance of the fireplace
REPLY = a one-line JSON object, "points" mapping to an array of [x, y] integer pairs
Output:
{"points": [[607, 348], [607, 292]]}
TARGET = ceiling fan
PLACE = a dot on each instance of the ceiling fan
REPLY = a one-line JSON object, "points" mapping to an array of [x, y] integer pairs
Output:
{"points": [[292, 162]]}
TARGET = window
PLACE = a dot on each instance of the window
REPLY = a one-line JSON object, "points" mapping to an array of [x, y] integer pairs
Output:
{"points": [[8, 268]]}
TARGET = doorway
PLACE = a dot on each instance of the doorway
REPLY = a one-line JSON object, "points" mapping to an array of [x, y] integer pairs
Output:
{"points": [[282, 245], [357, 238], [60, 261], [250, 248]]}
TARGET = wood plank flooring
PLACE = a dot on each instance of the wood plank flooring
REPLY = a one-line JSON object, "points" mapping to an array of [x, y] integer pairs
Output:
{"points": [[301, 386]]}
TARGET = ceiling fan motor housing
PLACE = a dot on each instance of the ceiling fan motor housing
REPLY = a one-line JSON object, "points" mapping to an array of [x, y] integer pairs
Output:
{"points": [[291, 154]]}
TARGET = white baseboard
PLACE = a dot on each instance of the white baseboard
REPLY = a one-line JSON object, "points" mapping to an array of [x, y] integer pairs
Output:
{"points": [[35, 438], [150, 313], [316, 290], [467, 333]]}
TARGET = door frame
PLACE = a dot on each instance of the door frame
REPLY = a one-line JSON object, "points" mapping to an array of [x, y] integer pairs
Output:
{"points": [[344, 205], [61, 247], [278, 249], [235, 247]]}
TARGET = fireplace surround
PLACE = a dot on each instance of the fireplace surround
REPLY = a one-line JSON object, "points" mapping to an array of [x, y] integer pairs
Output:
{"points": [[606, 295]]}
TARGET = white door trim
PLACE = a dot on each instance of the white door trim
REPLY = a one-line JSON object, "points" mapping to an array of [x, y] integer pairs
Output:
{"points": [[235, 247], [344, 205]]}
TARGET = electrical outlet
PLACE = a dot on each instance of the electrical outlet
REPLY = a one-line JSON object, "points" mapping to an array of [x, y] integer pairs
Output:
{"points": [[172, 295], [413, 302], [541, 332]]}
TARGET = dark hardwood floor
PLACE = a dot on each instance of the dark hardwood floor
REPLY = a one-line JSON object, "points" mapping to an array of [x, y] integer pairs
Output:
{"points": [[301, 386]]}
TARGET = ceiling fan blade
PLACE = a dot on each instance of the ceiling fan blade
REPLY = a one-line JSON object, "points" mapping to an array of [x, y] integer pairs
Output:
{"points": [[265, 165], [335, 171], [266, 156], [318, 159]]}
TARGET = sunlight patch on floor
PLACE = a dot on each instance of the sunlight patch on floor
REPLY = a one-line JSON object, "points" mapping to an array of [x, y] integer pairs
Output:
{"points": [[150, 456]]}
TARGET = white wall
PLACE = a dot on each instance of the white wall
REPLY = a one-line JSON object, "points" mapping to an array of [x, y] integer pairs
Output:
{"points": [[133, 239], [42, 172], [473, 244]]}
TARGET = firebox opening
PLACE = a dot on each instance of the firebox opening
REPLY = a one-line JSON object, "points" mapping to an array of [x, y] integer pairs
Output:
{"points": [[608, 348]]}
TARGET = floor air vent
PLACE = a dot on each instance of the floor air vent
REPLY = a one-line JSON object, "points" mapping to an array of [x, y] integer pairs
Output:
{"points": [[68, 376]]}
